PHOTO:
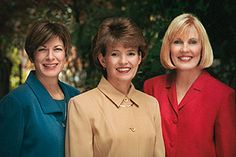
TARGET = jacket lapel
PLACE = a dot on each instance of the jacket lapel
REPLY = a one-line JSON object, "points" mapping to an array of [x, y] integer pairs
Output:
{"points": [[46, 102], [171, 92], [195, 90]]}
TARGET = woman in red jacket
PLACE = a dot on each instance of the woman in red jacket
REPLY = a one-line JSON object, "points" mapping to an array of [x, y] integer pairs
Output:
{"points": [[198, 112]]}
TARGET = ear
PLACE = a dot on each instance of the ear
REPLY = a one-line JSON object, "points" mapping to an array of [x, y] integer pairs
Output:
{"points": [[101, 59]]}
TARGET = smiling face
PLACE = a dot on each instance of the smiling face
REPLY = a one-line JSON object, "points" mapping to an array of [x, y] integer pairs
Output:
{"points": [[121, 63], [49, 59], [186, 50]]}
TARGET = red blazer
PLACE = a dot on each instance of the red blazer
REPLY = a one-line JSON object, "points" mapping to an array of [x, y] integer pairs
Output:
{"points": [[203, 124]]}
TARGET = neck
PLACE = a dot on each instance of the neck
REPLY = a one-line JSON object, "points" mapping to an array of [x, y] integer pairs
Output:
{"points": [[186, 78], [123, 86]]}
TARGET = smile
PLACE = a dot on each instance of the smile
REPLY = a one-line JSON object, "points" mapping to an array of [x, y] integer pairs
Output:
{"points": [[125, 69], [185, 58], [51, 65]]}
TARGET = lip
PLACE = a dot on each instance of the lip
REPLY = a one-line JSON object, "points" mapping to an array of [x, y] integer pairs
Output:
{"points": [[123, 69], [50, 65], [185, 58]]}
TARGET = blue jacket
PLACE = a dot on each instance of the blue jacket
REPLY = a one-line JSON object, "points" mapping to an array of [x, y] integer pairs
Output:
{"points": [[31, 122]]}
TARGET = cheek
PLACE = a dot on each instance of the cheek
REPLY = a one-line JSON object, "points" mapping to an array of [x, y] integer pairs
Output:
{"points": [[173, 51], [198, 51], [62, 58], [175, 48], [136, 60], [109, 61], [37, 59], [172, 55]]}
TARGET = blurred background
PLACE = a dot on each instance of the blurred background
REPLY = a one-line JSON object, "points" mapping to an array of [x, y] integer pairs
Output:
{"points": [[82, 17]]}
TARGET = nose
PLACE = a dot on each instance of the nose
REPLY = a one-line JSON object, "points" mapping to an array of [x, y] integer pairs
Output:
{"points": [[185, 48], [50, 55], [123, 59]]}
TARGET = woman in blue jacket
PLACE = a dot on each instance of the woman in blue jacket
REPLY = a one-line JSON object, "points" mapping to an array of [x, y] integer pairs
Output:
{"points": [[32, 117]]}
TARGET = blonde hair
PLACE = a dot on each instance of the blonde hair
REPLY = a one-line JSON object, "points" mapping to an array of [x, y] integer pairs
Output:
{"points": [[178, 25]]}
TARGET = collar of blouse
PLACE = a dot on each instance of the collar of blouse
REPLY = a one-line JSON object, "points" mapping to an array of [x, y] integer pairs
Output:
{"points": [[118, 98]]}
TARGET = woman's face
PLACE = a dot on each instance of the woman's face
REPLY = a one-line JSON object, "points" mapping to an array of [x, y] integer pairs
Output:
{"points": [[186, 50], [121, 63], [49, 58]]}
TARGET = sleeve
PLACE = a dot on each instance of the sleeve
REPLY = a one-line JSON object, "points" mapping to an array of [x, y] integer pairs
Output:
{"points": [[225, 129], [159, 144], [79, 137], [11, 126]]}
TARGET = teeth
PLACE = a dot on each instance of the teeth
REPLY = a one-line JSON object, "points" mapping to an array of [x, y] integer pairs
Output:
{"points": [[123, 69], [50, 65], [185, 58]]}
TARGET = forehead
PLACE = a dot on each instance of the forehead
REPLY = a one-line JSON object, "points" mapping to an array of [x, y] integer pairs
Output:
{"points": [[55, 40], [187, 32], [120, 45]]}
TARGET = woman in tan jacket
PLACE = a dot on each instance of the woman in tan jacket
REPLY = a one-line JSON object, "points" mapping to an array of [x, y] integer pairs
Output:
{"points": [[114, 119]]}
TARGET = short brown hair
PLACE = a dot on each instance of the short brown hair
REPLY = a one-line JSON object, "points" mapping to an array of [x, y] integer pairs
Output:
{"points": [[41, 32], [178, 25], [118, 30]]}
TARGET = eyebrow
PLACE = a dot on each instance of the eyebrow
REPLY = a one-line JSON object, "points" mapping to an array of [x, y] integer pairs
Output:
{"points": [[194, 38], [59, 45]]}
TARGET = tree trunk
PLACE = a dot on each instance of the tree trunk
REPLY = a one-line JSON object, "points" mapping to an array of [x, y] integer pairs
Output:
{"points": [[5, 72]]}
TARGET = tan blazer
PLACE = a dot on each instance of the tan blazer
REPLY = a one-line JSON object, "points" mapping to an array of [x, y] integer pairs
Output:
{"points": [[105, 123]]}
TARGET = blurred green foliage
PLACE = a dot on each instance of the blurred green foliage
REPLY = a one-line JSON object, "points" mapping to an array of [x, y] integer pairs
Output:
{"points": [[83, 17]]}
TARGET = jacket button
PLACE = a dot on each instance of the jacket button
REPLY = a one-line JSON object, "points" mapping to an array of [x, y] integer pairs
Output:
{"points": [[172, 144], [126, 99], [132, 129], [175, 120]]}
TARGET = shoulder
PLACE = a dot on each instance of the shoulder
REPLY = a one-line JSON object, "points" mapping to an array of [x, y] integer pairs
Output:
{"points": [[21, 93], [87, 102], [155, 84], [161, 79], [17, 98], [72, 91], [145, 100], [217, 85], [145, 97], [216, 90], [88, 97]]}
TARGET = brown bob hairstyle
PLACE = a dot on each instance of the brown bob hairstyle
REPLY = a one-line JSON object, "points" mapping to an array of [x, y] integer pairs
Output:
{"points": [[41, 32], [179, 25], [117, 30]]}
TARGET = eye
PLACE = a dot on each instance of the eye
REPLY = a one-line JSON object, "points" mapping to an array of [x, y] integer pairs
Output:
{"points": [[193, 41], [58, 49], [41, 49], [132, 53], [114, 53], [177, 41]]}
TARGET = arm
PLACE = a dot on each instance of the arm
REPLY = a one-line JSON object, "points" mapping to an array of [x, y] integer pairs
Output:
{"points": [[225, 129], [159, 144], [79, 137], [11, 127]]}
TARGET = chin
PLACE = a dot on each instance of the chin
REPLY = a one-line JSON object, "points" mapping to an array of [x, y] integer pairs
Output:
{"points": [[125, 78], [51, 74]]}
